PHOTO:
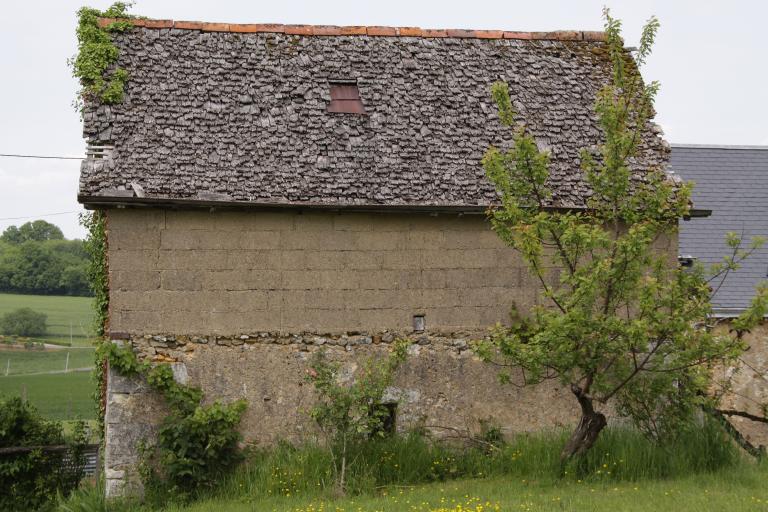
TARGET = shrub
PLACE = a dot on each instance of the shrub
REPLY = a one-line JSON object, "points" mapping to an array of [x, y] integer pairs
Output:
{"points": [[351, 413], [30, 480], [194, 451], [24, 322], [196, 444]]}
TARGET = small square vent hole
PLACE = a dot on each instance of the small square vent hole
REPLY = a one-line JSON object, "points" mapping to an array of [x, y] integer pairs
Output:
{"points": [[419, 323]]}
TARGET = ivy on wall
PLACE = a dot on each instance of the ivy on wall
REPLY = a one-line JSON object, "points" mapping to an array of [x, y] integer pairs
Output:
{"points": [[96, 246], [196, 443], [98, 277], [94, 64]]}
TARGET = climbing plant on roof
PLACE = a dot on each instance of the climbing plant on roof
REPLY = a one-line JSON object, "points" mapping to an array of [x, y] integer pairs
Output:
{"points": [[95, 62]]}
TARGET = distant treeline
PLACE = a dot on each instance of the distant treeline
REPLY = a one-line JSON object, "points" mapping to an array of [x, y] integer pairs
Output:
{"points": [[35, 258]]}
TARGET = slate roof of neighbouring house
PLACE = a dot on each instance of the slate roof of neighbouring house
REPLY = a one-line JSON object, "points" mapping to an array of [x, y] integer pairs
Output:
{"points": [[237, 113], [732, 181]]}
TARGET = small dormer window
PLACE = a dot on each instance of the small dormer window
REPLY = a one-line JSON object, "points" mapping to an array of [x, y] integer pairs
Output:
{"points": [[345, 98]]}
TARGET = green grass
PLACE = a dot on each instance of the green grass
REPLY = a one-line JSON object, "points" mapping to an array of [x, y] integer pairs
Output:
{"points": [[700, 471], [92, 425], [744, 490], [64, 396], [619, 455], [739, 490], [16, 362], [63, 313]]}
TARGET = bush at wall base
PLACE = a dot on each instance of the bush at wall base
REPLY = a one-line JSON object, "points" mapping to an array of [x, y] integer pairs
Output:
{"points": [[37, 462]]}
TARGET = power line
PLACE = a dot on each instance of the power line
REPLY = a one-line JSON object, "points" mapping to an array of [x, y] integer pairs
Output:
{"points": [[41, 215], [42, 156]]}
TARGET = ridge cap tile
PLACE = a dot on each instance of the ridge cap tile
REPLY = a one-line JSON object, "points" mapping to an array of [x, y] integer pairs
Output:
{"points": [[371, 30]]}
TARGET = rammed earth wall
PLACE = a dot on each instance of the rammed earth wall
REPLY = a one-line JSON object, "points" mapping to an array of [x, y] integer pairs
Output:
{"points": [[239, 301], [194, 272]]}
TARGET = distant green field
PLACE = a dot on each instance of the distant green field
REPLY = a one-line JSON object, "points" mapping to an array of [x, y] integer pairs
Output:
{"points": [[65, 314], [64, 396], [15, 362]]}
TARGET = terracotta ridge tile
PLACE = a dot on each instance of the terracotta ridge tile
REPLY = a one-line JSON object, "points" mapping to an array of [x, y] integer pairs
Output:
{"points": [[215, 27], [434, 32], [592, 35], [381, 31], [516, 35], [188, 25], [104, 22], [147, 23], [410, 32], [355, 30], [326, 30], [359, 30], [558, 35], [256, 27], [299, 30]]}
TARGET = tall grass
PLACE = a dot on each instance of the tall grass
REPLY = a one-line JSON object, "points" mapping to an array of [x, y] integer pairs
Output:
{"points": [[619, 455], [306, 471], [90, 498]]}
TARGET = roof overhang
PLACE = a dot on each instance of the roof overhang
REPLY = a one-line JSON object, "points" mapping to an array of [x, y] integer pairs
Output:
{"points": [[94, 202], [698, 213], [730, 313], [98, 202]]}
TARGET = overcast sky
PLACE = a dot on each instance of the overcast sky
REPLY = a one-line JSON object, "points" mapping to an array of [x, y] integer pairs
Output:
{"points": [[710, 58]]}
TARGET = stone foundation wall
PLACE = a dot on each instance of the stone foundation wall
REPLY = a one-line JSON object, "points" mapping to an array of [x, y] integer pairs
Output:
{"points": [[441, 386]]}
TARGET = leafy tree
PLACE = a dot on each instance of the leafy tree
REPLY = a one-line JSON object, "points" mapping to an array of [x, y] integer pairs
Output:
{"points": [[11, 235], [349, 413], [621, 322], [24, 322], [32, 476], [30, 267], [37, 231], [37, 259], [74, 280]]}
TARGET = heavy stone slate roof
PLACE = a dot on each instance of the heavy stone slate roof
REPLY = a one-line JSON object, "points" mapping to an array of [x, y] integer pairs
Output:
{"points": [[732, 181], [238, 114]]}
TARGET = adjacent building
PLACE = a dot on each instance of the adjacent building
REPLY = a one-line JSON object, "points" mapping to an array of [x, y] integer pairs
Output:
{"points": [[732, 182]]}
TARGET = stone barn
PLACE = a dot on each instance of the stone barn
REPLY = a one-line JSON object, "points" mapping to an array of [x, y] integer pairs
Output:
{"points": [[270, 190]]}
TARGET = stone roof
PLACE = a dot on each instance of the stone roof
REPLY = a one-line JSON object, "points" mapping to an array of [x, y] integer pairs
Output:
{"points": [[237, 113], [732, 181]]}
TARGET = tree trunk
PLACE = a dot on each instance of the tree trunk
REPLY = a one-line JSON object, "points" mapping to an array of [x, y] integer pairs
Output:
{"points": [[721, 417], [342, 483], [590, 426]]}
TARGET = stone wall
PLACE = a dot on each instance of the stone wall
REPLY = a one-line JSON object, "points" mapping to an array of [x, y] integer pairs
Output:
{"points": [[239, 301], [441, 386], [749, 381]]}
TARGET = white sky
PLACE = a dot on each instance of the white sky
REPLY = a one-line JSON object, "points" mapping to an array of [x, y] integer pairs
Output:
{"points": [[710, 58]]}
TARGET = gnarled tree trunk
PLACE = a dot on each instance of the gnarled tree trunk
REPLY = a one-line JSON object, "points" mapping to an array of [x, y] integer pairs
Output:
{"points": [[590, 425]]}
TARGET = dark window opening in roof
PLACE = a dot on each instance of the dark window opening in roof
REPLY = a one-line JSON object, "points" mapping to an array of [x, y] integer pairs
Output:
{"points": [[345, 99]]}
